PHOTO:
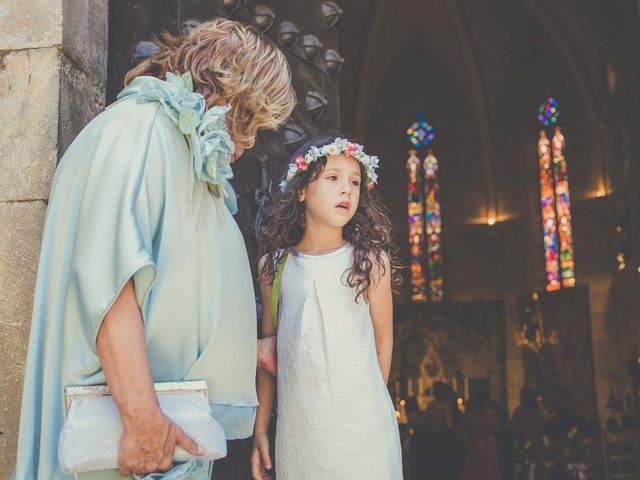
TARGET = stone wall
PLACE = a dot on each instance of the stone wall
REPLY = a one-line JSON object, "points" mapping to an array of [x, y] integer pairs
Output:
{"points": [[52, 76]]}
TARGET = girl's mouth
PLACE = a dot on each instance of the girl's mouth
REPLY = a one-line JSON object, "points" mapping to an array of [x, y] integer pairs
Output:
{"points": [[345, 205]]}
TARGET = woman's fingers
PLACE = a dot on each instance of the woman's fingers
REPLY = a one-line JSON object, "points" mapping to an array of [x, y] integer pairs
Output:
{"points": [[169, 444], [126, 461], [186, 442], [123, 469], [168, 447], [166, 464], [151, 448]]}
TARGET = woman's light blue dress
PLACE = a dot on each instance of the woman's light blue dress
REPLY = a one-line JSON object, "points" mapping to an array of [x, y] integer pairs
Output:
{"points": [[131, 199]]}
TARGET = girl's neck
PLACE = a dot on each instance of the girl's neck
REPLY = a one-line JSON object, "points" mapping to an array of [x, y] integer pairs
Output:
{"points": [[318, 240]]}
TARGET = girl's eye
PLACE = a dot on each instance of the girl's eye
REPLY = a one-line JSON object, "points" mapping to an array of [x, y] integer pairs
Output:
{"points": [[356, 183], [332, 177]]}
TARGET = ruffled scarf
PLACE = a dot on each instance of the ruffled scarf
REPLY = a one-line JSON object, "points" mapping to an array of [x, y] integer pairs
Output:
{"points": [[206, 129]]}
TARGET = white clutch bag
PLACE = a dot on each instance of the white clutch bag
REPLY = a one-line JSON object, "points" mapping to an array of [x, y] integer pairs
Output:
{"points": [[91, 433]]}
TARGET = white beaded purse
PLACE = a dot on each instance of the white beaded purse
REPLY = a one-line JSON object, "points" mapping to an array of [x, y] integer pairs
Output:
{"points": [[91, 432]]}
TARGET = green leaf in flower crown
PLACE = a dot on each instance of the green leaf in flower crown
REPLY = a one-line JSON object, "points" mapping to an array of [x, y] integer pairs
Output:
{"points": [[187, 81], [188, 121]]}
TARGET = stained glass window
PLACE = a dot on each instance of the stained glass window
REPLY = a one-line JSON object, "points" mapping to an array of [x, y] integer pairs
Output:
{"points": [[548, 112], [563, 208], [420, 133], [425, 224], [433, 226], [554, 199], [548, 204], [415, 211]]}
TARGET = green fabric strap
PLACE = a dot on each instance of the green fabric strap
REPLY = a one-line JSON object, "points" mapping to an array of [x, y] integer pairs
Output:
{"points": [[275, 290]]}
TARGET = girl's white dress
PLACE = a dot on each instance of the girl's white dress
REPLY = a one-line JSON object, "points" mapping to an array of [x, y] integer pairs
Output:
{"points": [[336, 419]]}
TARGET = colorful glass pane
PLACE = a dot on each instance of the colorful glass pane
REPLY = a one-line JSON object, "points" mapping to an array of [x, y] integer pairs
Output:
{"points": [[433, 227], [548, 112], [415, 211], [563, 209], [420, 133], [547, 202]]}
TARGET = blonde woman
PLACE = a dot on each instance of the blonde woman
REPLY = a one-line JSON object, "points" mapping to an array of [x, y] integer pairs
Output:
{"points": [[143, 273]]}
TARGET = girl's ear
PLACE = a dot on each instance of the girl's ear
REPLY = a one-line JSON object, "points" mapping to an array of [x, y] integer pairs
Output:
{"points": [[301, 195]]}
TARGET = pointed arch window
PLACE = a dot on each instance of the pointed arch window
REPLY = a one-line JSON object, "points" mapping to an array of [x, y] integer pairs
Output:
{"points": [[424, 215]]}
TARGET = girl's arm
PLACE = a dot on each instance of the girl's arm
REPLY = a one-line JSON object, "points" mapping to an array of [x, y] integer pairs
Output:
{"points": [[266, 386], [381, 307]]}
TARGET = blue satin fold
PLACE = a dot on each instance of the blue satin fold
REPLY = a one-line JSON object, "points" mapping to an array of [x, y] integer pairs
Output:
{"points": [[191, 470], [211, 144]]}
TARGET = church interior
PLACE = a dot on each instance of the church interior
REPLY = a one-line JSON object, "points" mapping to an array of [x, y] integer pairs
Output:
{"points": [[516, 212], [507, 133]]}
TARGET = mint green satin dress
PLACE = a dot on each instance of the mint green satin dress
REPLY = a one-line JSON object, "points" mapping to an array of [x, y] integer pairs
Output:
{"points": [[132, 198]]}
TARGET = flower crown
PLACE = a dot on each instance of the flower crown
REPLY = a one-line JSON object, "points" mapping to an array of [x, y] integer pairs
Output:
{"points": [[338, 147]]}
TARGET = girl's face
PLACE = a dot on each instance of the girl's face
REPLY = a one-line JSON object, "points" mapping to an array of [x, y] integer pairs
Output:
{"points": [[332, 199]]}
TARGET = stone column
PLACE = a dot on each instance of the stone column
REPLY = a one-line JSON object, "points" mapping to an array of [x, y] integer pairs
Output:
{"points": [[52, 82]]}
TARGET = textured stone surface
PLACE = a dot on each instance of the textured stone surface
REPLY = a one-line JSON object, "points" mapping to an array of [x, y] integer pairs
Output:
{"points": [[85, 36], [20, 232], [81, 99], [47, 95], [30, 24], [29, 91]]}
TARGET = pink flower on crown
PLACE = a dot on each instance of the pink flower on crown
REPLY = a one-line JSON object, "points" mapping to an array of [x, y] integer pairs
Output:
{"points": [[300, 163], [351, 149]]}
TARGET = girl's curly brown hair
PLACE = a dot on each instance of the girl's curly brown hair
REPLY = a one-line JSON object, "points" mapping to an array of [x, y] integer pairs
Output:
{"points": [[369, 231]]}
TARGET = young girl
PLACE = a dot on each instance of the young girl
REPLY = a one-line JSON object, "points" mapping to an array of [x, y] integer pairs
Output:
{"points": [[325, 246]]}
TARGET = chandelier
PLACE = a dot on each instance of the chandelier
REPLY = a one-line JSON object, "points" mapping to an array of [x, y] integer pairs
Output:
{"points": [[532, 334]]}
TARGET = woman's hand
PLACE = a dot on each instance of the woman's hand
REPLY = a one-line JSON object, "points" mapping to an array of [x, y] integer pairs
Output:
{"points": [[148, 445], [149, 437], [260, 458], [267, 354]]}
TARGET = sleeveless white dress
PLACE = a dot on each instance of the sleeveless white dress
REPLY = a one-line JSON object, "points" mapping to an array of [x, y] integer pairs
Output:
{"points": [[336, 419]]}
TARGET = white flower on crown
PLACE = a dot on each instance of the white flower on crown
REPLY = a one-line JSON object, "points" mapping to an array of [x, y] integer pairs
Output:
{"points": [[339, 146]]}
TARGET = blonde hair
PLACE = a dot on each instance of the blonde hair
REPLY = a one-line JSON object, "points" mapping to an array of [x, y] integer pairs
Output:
{"points": [[230, 63]]}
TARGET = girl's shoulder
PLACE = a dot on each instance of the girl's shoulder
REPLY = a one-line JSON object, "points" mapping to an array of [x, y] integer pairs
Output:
{"points": [[381, 263]]}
